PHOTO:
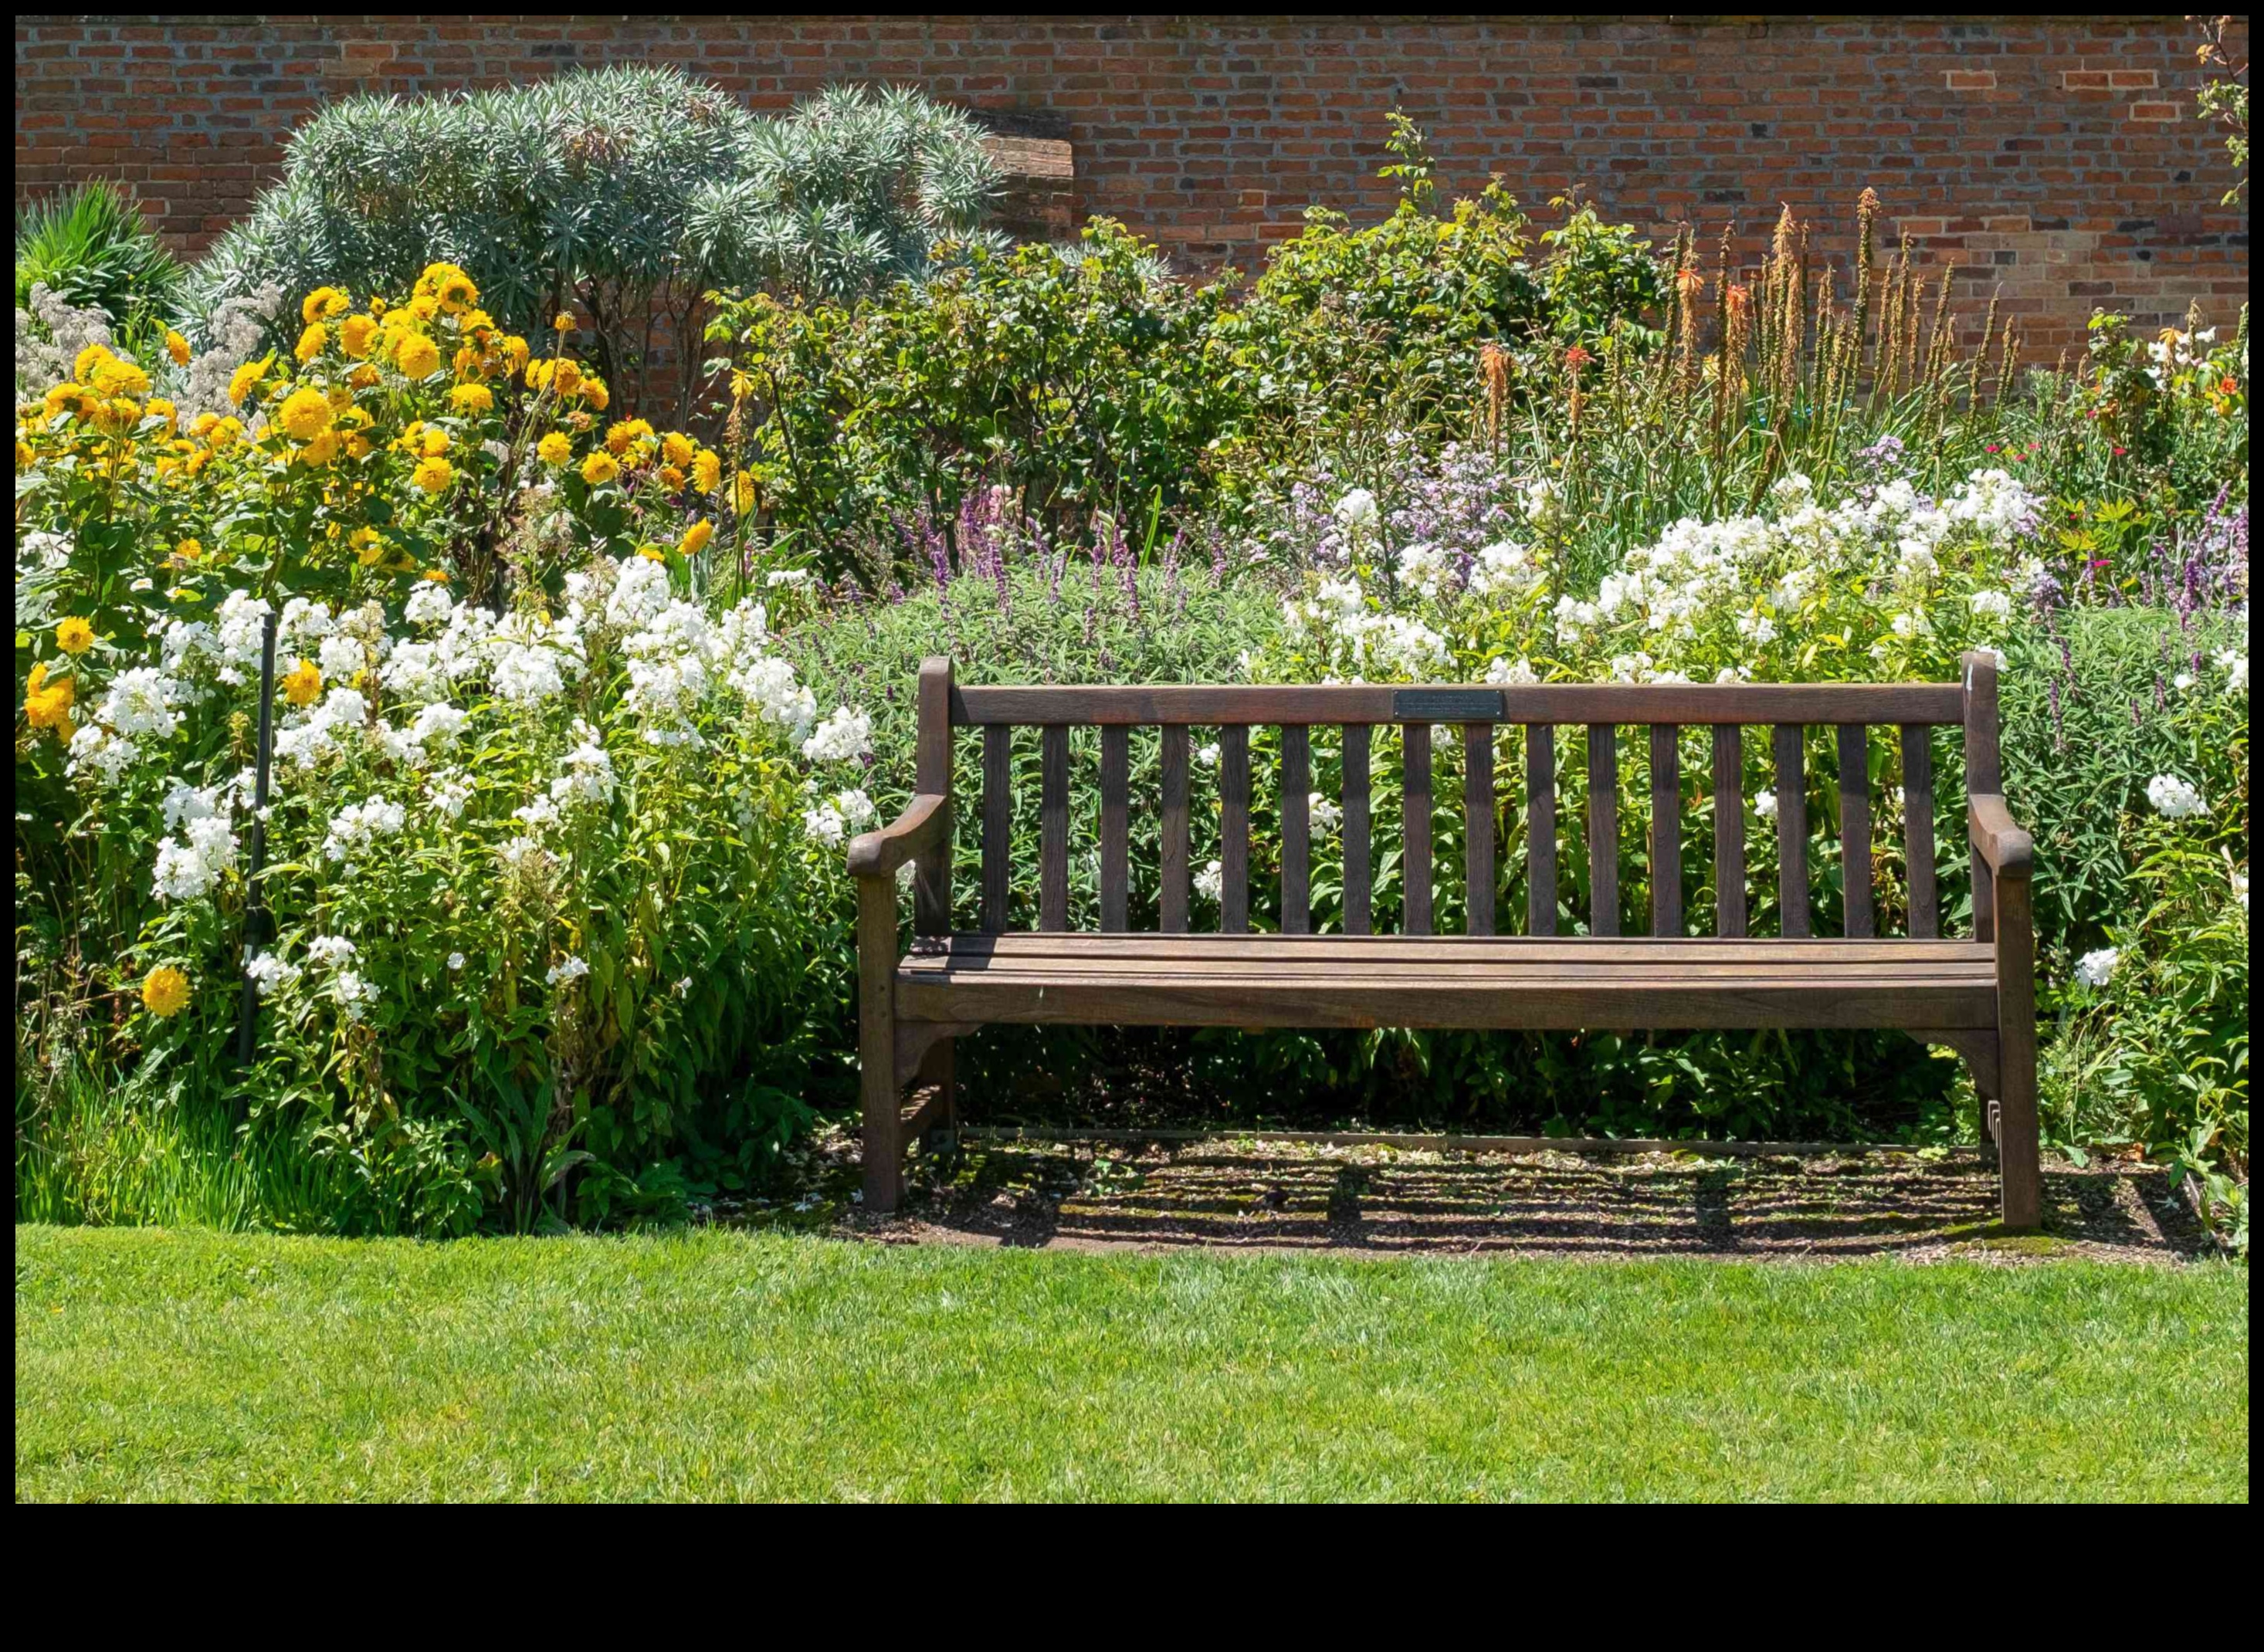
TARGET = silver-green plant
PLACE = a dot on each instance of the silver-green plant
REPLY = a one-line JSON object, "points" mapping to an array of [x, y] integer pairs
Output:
{"points": [[627, 193]]}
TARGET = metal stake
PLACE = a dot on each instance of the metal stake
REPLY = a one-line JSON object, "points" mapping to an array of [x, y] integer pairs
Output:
{"points": [[255, 909]]}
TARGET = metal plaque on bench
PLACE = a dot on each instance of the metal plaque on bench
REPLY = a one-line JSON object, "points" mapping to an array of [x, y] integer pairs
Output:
{"points": [[1447, 705]]}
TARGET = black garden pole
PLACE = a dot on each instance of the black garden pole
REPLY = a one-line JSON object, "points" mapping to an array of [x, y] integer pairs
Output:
{"points": [[255, 911]]}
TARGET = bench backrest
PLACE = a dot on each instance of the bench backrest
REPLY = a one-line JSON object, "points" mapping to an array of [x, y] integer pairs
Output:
{"points": [[1789, 709]]}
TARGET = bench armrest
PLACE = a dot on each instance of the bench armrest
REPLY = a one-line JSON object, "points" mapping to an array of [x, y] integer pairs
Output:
{"points": [[2008, 851], [918, 829]]}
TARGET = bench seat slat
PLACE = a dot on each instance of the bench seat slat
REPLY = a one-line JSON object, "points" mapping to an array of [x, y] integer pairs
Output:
{"points": [[1352, 949]]}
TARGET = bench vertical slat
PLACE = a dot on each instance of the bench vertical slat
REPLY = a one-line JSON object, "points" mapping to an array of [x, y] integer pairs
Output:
{"points": [[1053, 827], [1358, 891], [1666, 830], [1918, 831], [997, 823], [1728, 830], [1855, 831], [1171, 871], [1234, 828], [1984, 773], [1116, 824], [1541, 829], [1415, 851], [1478, 826], [1603, 830], [1296, 830], [1791, 832]]}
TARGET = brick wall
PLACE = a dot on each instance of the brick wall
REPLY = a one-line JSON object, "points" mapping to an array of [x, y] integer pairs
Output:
{"points": [[2055, 157]]}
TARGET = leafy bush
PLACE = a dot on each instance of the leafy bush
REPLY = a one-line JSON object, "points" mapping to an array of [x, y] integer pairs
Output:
{"points": [[626, 193], [536, 905], [90, 248]]}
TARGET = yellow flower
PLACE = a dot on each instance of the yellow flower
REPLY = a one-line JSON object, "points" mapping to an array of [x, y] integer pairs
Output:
{"points": [[311, 342], [89, 359], [437, 576], [696, 537], [566, 377], [598, 469], [449, 285], [224, 434], [623, 433], [25, 458], [562, 322], [671, 477], [471, 398], [677, 448], [377, 305], [652, 553], [433, 475], [302, 682], [305, 415], [554, 449], [189, 550], [321, 449], [73, 635], [48, 705], [165, 990], [322, 303], [110, 375], [432, 441], [514, 352], [159, 408], [246, 379], [354, 334], [707, 471], [742, 493], [176, 347], [419, 357], [359, 446], [594, 391], [64, 397], [364, 377]]}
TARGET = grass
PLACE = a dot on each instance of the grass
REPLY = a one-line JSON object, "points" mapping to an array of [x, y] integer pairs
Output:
{"points": [[179, 1364]]}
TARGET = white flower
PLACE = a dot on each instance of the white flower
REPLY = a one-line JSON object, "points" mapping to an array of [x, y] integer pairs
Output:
{"points": [[270, 975], [537, 813], [340, 658], [855, 808], [587, 773], [573, 967], [2173, 798], [1990, 605], [1503, 569], [354, 827], [1211, 880], [189, 867], [439, 722], [2183, 681], [428, 604], [449, 791], [823, 824], [1764, 804], [95, 749], [141, 703], [332, 951], [844, 736], [455, 963], [2095, 969], [1208, 756], [1541, 501], [2240, 889], [1326, 815], [1507, 673], [2235, 665], [354, 992], [786, 576], [526, 675], [1356, 511], [523, 854]]}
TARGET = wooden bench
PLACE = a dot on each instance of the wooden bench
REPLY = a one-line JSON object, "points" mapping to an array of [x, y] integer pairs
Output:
{"points": [[1976, 996]]}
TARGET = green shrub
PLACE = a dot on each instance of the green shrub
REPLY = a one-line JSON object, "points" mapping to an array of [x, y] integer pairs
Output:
{"points": [[90, 246], [623, 193]]}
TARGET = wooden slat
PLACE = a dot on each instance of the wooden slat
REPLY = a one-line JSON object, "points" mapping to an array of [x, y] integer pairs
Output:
{"points": [[1729, 830], [1358, 872], [1165, 999], [1855, 830], [1226, 705], [1918, 830], [1636, 952], [1172, 870], [1603, 830], [932, 775], [1115, 810], [1666, 830], [1791, 832], [1296, 830], [997, 823], [1053, 827], [1415, 849], [1541, 830], [1478, 826], [1984, 773], [1234, 828]]}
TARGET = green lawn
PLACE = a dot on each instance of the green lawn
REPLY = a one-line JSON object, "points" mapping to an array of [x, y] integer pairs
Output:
{"points": [[157, 1365]]}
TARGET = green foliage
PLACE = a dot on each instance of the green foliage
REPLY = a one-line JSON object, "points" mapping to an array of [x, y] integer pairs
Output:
{"points": [[624, 192], [90, 246], [1079, 380], [2224, 97]]}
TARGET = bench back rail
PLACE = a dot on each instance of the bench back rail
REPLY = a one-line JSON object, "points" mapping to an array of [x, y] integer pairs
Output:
{"points": [[1476, 713]]}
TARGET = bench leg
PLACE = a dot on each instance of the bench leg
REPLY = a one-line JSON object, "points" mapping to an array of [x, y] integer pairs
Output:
{"points": [[2018, 1159], [938, 1069], [877, 1043]]}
